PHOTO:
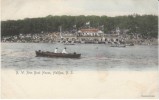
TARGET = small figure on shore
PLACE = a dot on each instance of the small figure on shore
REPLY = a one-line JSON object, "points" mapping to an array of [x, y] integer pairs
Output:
{"points": [[55, 51], [64, 50]]}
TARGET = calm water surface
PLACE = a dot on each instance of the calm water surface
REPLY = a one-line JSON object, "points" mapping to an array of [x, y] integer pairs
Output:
{"points": [[93, 57]]}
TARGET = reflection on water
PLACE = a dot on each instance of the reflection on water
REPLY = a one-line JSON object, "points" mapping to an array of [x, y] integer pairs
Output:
{"points": [[93, 57]]}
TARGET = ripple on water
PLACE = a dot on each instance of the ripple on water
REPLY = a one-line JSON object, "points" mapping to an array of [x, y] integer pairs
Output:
{"points": [[22, 56]]}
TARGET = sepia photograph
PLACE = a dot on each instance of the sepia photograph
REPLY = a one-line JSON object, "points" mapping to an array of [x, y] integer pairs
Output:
{"points": [[79, 49]]}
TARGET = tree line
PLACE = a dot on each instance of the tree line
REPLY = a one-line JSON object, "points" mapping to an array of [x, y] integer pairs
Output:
{"points": [[146, 25]]}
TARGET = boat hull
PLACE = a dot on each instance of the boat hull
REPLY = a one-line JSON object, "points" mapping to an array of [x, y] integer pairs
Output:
{"points": [[69, 44], [118, 46], [56, 55]]}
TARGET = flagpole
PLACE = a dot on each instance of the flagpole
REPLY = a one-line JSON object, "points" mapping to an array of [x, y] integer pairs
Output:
{"points": [[60, 32]]}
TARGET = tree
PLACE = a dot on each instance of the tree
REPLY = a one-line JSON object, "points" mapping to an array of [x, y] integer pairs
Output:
{"points": [[145, 25]]}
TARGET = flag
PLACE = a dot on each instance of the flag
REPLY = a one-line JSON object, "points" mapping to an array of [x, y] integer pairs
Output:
{"points": [[61, 32], [74, 26], [87, 23]]}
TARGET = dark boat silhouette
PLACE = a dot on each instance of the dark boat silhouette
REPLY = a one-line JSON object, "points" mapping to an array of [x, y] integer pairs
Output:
{"points": [[118, 46], [56, 55], [69, 44]]}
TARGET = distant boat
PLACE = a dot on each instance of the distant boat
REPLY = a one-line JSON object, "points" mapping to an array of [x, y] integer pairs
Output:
{"points": [[101, 42], [131, 44], [56, 55], [82, 42], [69, 44], [118, 46]]}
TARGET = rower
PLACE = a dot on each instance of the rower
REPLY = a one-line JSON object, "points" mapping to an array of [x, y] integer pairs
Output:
{"points": [[55, 51], [64, 50]]}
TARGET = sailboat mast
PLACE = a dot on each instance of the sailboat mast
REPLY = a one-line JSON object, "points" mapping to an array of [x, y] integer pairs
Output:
{"points": [[60, 32]]}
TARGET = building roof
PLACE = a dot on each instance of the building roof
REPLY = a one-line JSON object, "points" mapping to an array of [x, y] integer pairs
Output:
{"points": [[92, 30]]}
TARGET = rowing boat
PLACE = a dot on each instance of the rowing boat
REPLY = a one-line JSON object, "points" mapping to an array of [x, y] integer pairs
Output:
{"points": [[56, 55]]}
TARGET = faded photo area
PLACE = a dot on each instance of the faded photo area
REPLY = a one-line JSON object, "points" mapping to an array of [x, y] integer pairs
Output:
{"points": [[79, 49]]}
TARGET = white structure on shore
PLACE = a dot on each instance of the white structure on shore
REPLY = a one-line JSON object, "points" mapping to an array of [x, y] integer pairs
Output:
{"points": [[90, 32]]}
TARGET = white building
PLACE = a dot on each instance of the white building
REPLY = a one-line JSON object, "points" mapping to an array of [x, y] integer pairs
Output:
{"points": [[90, 32]]}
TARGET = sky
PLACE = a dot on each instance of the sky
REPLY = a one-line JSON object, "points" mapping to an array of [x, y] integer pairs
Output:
{"points": [[20, 9]]}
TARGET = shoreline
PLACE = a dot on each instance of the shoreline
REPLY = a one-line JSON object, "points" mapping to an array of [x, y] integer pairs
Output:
{"points": [[127, 44], [153, 41], [70, 38]]}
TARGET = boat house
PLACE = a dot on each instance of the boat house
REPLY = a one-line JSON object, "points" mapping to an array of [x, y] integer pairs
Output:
{"points": [[90, 32], [90, 35]]}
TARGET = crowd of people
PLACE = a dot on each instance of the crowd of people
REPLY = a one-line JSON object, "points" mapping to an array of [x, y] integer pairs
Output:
{"points": [[55, 37], [34, 38]]}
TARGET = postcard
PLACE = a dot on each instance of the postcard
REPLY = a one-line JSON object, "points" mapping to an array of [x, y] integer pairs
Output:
{"points": [[79, 49]]}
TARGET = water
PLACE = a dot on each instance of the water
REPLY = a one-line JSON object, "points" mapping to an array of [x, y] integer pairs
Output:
{"points": [[93, 57]]}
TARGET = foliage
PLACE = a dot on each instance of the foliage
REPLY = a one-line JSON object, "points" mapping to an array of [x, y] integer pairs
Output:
{"points": [[146, 25]]}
